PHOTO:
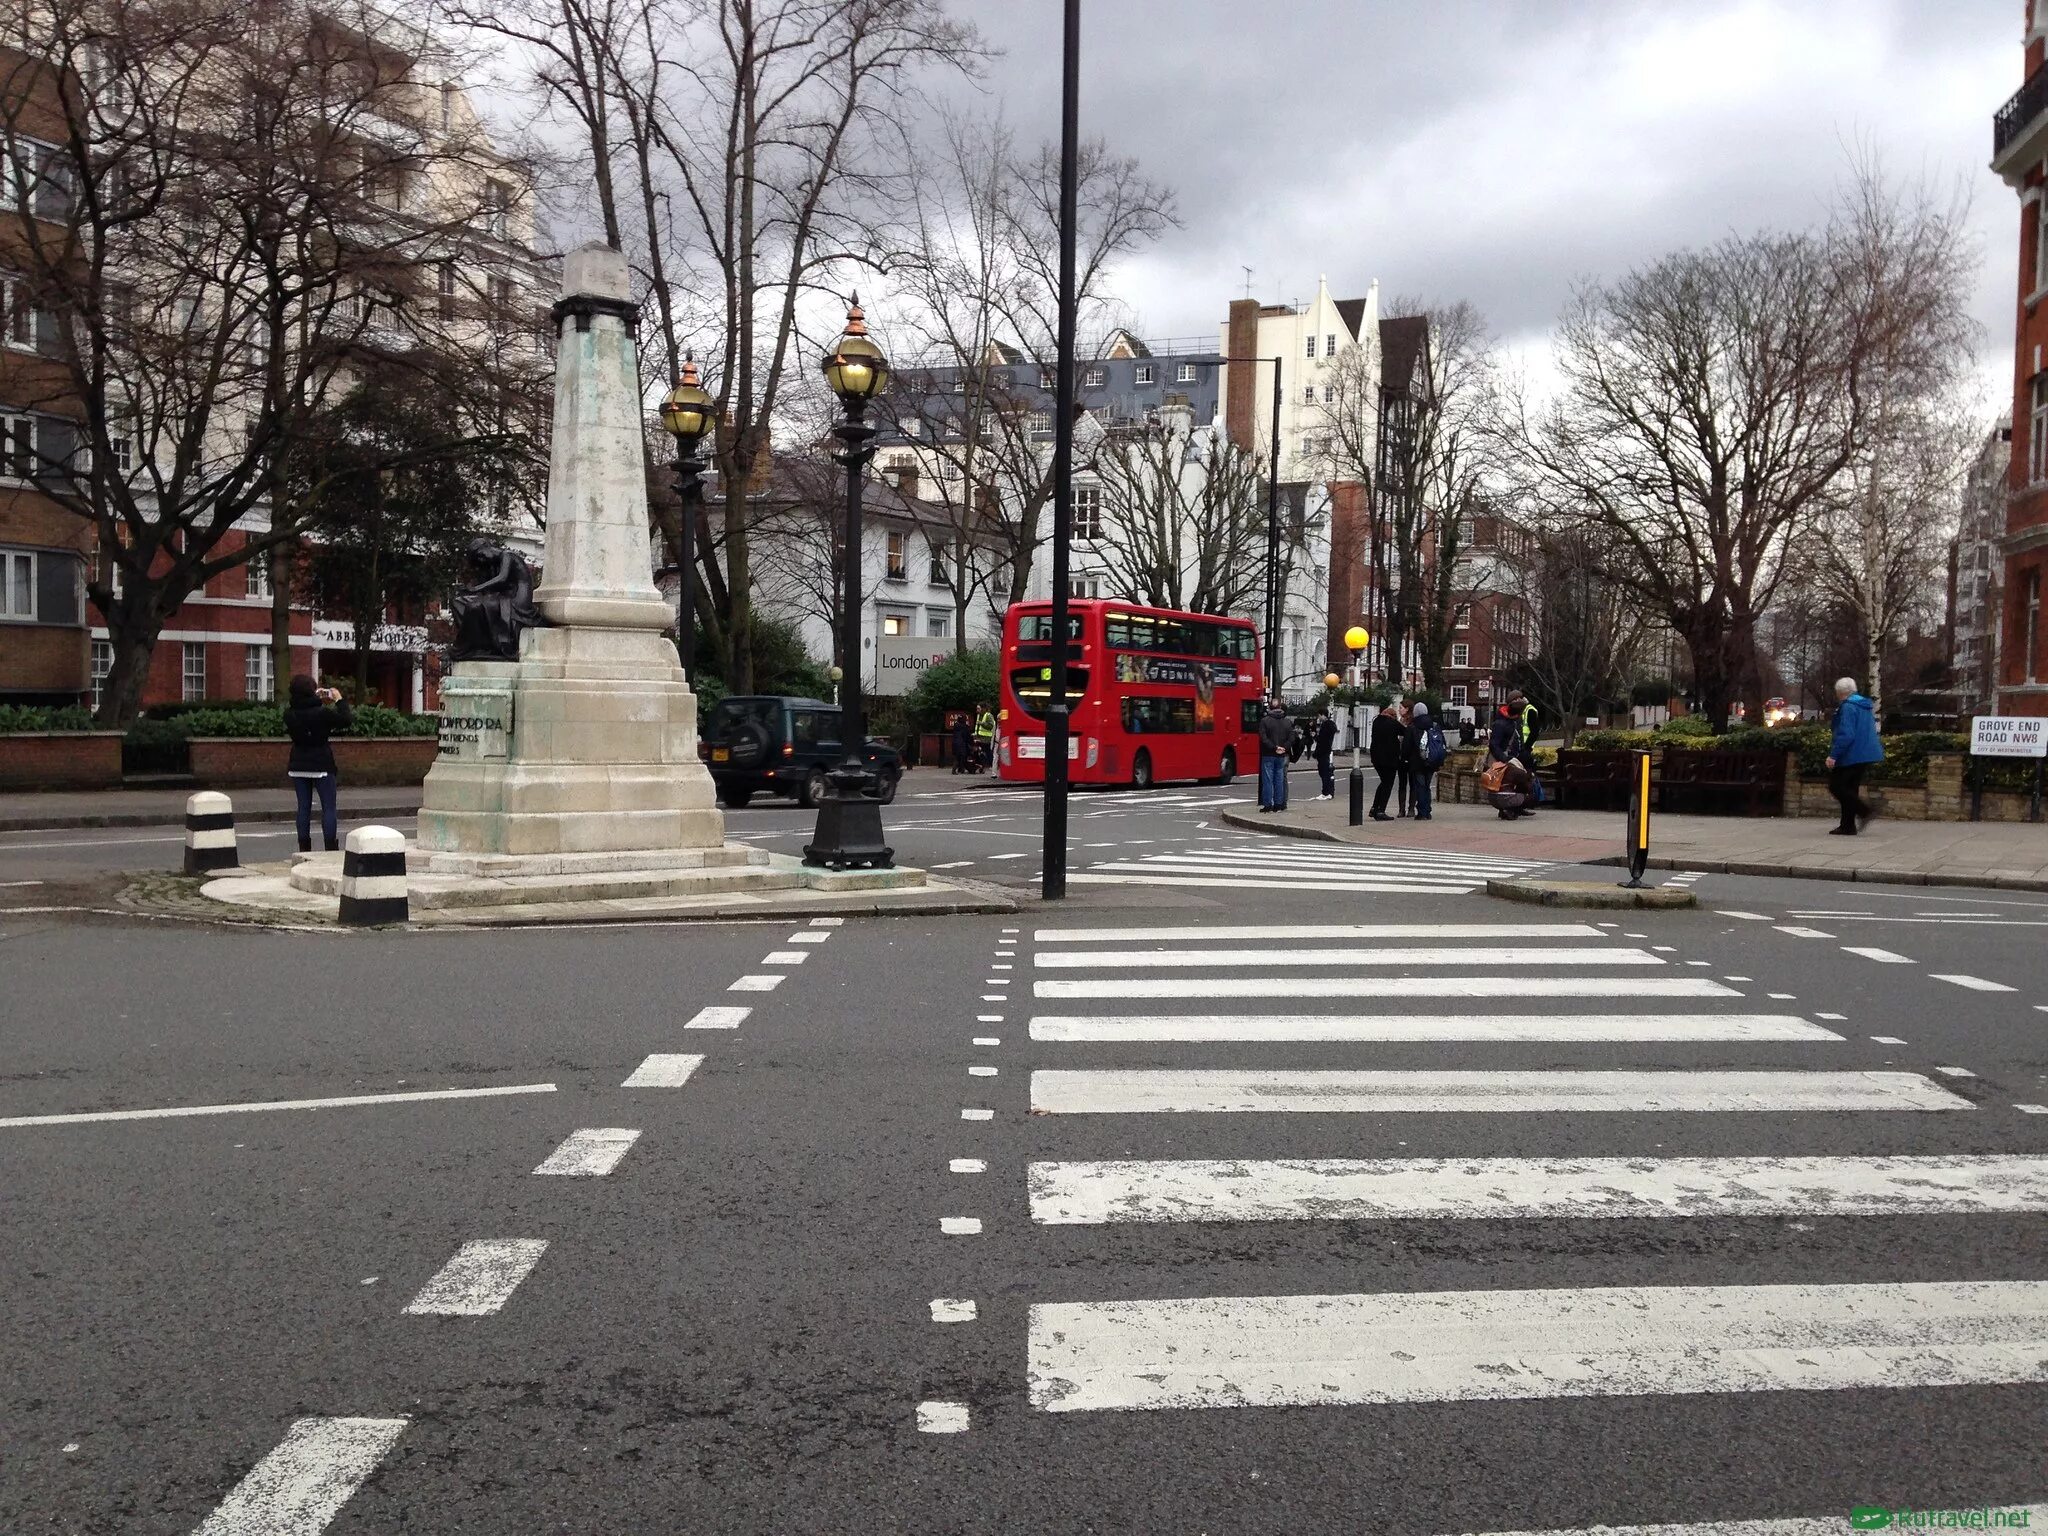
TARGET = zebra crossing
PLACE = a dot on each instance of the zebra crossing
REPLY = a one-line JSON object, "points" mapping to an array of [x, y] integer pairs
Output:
{"points": [[1218, 1093], [1271, 864]]}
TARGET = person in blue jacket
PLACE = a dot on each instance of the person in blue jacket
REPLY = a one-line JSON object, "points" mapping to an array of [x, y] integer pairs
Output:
{"points": [[1855, 749]]}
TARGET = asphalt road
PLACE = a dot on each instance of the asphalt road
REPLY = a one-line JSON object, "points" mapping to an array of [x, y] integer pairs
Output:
{"points": [[737, 1327]]}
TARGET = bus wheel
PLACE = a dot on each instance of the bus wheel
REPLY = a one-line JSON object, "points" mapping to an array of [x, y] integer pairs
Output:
{"points": [[1229, 769], [1141, 770]]}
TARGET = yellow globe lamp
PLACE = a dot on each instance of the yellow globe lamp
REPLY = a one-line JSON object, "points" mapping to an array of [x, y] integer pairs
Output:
{"points": [[1331, 680], [1355, 638], [855, 369]]}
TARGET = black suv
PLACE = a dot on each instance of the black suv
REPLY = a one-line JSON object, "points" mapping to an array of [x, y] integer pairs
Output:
{"points": [[764, 743]]}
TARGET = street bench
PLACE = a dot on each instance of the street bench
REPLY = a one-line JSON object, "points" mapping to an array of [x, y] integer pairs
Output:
{"points": [[1721, 783], [1594, 778]]}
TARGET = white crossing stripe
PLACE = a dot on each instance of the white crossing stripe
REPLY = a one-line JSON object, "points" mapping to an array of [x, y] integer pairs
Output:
{"points": [[767, 983], [479, 1279], [1425, 878], [1883, 956], [719, 1018], [1803, 933], [1754, 917], [1232, 959], [949, 1309], [1465, 1188], [663, 1070], [785, 957], [300, 1486], [1134, 874], [807, 938], [1633, 987], [942, 1418], [1818, 1525], [1303, 932], [1231, 1091], [960, 1226], [1456, 1346], [827, 922], [1974, 983], [590, 1153], [1578, 1027]]}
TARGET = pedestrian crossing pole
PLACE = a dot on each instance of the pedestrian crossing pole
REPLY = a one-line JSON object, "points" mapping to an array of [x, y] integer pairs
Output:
{"points": [[1355, 641], [1053, 881], [1638, 822]]}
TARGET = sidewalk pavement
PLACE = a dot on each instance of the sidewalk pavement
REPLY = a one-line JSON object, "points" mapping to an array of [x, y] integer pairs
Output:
{"points": [[60, 809], [2006, 855]]}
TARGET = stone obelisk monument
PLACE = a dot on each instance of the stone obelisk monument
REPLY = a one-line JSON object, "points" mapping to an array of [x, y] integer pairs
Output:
{"points": [[587, 744]]}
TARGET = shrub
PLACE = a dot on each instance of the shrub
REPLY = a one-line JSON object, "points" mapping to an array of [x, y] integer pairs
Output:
{"points": [[265, 720], [1615, 740], [1686, 726], [155, 746], [18, 718], [382, 720], [1905, 755], [962, 681]]}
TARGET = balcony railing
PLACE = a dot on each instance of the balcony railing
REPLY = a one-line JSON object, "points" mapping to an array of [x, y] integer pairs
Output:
{"points": [[2028, 103]]}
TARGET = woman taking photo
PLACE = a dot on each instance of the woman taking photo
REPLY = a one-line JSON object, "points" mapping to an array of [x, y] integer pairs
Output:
{"points": [[313, 715]]}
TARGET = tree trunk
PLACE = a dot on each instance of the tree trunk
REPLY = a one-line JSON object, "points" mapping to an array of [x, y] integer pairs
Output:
{"points": [[280, 617], [133, 638]]}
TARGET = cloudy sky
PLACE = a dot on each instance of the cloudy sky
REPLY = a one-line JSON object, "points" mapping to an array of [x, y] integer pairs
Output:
{"points": [[1495, 150]]}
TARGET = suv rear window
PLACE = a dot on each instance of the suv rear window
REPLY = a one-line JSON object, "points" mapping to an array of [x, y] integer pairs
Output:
{"points": [[732, 712]]}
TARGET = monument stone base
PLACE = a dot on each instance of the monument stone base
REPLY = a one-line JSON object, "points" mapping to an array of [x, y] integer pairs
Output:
{"points": [[586, 744]]}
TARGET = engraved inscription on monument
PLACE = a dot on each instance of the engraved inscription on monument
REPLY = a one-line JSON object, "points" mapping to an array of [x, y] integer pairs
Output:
{"points": [[476, 721]]}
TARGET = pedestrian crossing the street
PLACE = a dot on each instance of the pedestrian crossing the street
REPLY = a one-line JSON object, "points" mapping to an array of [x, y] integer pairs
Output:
{"points": [[1260, 1065], [1269, 864]]}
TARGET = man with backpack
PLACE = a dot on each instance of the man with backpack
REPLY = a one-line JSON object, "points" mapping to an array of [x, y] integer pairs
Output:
{"points": [[1276, 735], [1426, 749]]}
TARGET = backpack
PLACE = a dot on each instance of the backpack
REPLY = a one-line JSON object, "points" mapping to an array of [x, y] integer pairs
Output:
{"points": [[1433, 749]]}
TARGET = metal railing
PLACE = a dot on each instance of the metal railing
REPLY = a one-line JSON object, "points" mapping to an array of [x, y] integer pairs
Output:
{"points": [[2027, 103]]}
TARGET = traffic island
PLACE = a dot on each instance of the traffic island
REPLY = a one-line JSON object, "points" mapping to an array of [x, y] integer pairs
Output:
{"points": [[1592, 893]]}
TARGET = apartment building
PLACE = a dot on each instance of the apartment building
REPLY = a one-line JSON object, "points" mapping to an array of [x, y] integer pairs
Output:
{"points": [[1977, 573], [1493, 626]]}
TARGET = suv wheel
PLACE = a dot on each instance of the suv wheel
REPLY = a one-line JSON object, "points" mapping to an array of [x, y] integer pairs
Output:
{"points": [[814, 789], [1228, 770], [1141, 770], [889, 783], [735, 799]]}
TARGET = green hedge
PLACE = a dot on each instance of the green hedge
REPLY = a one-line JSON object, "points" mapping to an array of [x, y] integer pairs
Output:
{"points": [[267, 720], [17, 719]]}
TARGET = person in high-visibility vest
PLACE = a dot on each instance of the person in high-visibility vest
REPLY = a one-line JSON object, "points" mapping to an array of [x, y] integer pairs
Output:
{"points": [[985, 736]]}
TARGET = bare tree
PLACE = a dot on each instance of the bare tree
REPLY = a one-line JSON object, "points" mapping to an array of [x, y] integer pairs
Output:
{"points": [[1585, 626], [1182, 516], [218, 212]]}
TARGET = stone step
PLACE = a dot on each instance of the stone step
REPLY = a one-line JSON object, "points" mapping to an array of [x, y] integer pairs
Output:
{"points": [[427, 861], [437, 893]]}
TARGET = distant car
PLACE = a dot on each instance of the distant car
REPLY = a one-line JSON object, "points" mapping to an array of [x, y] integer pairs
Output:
{"points": [[763, 743]]}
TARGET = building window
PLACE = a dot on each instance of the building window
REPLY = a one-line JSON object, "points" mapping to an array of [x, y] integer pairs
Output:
{"points": [[895, 623], [497, 209], [1095, 378], [2037, 432], [1047, 379], [960, 383], [1088, 587], [1184, 374], [18, 447], [1461, 654], [1308, 394], [1087, 511], [935, 571], [17, 584], [1144, 373], [1462, 619], [2030, 647], [194, 673], [1330, 345], [259, 676], [447, 288], [1457, 693], [256, 580], [447, 108], [1329, 394], [938, 623], [898, 567], [1311, 346], [102, 669], [1040, 421], [20, 320]]}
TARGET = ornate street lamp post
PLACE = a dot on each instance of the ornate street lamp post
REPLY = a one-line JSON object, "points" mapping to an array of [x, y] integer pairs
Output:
{"points": [[849, 830], [1355, 641], [686, 413]]}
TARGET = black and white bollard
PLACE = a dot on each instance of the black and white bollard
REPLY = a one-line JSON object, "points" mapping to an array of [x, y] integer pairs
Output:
{"points": [[209, 833], [373, 878]]}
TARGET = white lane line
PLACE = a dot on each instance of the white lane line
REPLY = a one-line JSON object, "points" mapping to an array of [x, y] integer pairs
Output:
{"points": [[2032, 1109], [1135, 874], [479, 1279], [1803, 933], [1782, 997], [1887, 1040], [15, 885], [1464, 1189], [1883, 956], [1837, 1017], [981, 1071], [1955, 1071], [590, 1153], [827, 922], [1376, 986], [988, 1018], [977, 1114], [300, 1486], [994, 997], [785, 957], [762, 983], [1738, 978], [949, 1309], [807, 938], [1265, 863], [967, 1165], [1748, 917], [1951, 915], [1819, 1525], [988, 1040], [1974, 983], [1305, 932], [1453, 1346], [1582, 1027], [346, 1101], [724, 1017], [960, 1226], [954, 864], [1830, 912], [1232, 959], [997, 856], [1419, 874], [663, 1070], [1231, 1091], [935, 1418]]}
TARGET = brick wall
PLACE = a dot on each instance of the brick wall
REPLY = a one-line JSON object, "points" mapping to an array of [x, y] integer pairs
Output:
{"points": [[61, 760], [43, 658], [1241, 394]]}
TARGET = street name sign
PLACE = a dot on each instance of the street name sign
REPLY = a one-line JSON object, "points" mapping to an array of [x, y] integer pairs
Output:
{"points": [[2009, 736]]}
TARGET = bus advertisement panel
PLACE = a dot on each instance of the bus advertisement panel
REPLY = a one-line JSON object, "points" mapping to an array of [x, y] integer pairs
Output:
{"points": [[1152, 693]]}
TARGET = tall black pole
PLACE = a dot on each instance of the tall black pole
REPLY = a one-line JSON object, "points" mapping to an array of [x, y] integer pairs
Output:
{"points": [[1053, 885], [690, 495], [1273, 548]]}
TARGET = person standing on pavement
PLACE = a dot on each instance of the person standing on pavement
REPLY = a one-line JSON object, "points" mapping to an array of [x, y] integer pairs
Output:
{"points": [[1276, 734], [1325, 743], [1425, 749], [1524, 714], [310, 718], [1856, 747], [963, 743], [985, 737], [1384, 747]]}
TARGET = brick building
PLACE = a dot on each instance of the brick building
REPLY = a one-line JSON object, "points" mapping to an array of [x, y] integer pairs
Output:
{"points": [[2019, 154], [1494, 624]]}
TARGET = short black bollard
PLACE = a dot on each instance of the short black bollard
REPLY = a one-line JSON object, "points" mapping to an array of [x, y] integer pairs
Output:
{"points": [[209, 833], [1357, 786], [373, 888]]}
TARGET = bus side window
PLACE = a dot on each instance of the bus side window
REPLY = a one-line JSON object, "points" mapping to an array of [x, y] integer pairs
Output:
{"points": [[1249, 711]]}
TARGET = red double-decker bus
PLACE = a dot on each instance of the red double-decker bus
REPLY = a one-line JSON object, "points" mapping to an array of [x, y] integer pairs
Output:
{"points": [[1153, 694]]}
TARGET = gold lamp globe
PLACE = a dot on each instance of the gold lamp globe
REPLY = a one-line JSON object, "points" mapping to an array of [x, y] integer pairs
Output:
{"points": [[855, 369], [686, 410], [1331, 679], [1355, 637]]}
